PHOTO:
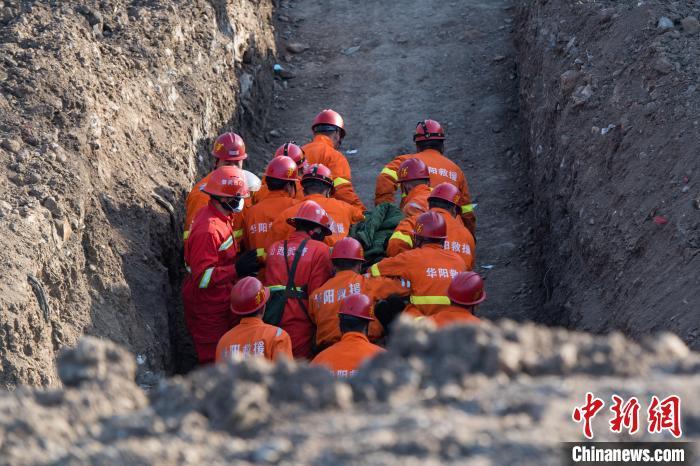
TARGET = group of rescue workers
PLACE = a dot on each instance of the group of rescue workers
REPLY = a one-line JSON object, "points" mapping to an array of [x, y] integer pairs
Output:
{"points": [[272, 271]]}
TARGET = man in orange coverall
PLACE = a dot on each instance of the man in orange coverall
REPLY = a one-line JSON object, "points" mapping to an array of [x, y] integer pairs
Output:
{"points": [[329, 130], [465, 292], [212, 266], [346, 356], [428, 267], [429, 138], [291, 150], [443, 200], [314, 268], [281, 178], [252, 337], [229, 150], [324, 302], [317, 185], [414, 180]]}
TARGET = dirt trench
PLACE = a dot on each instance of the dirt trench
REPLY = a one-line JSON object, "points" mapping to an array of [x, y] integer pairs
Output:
{"points": [[387, 65]]}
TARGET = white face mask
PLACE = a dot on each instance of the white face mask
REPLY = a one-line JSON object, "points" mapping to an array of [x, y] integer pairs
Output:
{"points": [[234, 206]]}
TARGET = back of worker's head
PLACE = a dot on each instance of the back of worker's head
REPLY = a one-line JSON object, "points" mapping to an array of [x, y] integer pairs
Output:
{"points": [[434, 145], [348, 254], [313, 219], [430, 229], [466, 290], [429, 134], [317, 179], [355, 313], [281, 173], [440, 204], [445, 196], [249, 297], [315, 187], [329, 123]]}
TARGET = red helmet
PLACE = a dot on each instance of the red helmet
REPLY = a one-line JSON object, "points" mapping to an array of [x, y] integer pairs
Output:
{"points": [[413, 169], [281, 168], [428, 130], [227, 181], [289, 149], [447, 192], [318, 171], [467, 289], [357, 305], [348, 248], [229, 146], [248, 296], [431, 225], [311, 212], [329, 117]]}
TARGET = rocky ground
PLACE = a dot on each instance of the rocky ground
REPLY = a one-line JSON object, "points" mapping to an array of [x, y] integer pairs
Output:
{"points": [[477, 395], [107, 112], [609, 93]]}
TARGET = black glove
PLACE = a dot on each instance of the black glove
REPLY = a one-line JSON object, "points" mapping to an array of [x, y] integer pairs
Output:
{"points": [[247, 264], [387, 310]]}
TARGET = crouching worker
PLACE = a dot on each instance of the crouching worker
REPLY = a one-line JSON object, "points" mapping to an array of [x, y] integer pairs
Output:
{"points": [[252, 337], [354, 348], [465, 292]]}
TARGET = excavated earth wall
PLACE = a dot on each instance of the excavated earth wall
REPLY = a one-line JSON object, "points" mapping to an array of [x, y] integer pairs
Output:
{"points": [[611, 109], [107, 112]]}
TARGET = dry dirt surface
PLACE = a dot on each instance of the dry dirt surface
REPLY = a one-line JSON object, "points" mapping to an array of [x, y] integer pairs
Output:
{"points": [[107, 112], [609, 94], [469, 395]]}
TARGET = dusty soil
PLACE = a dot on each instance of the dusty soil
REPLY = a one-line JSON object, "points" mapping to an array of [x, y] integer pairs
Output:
{"points": [[455, 65], [107, 109], [611, 110], [476, 395]]}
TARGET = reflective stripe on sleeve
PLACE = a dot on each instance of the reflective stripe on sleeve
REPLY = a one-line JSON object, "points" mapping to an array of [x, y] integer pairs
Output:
{"points": [[279, 332], [238, 234], [467, 208], [374, 271], [261, 252], [403, 237], [391, 173], [430, 300], [186, 234], [206, 277], [338, 181], [226, 244]]}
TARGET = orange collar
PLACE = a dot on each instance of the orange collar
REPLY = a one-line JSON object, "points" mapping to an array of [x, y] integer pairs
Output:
{"points": [[322, 138], [354, 336], [250, 320], [280, 193]]}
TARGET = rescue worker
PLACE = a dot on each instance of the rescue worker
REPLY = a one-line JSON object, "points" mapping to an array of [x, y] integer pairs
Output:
{"points": [[229, 150], [414, 181], [345, 357], [212, 266], [296, 153], [309, 269], [252, 337], [347, 256], [465, 292], [329, 130], [444, 200], [430, 144], [428, 267], [281, 179], [317, 185]]}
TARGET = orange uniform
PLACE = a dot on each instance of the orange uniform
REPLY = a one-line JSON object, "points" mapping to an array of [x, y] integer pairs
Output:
{"points": [[453, 315], [253, 337], [264, 192], [347, 355], [429, 271], [321, 150], [257, 220], [459, 239], [341, 213], [441, 170], [197, 199], [416, 201], [313, 270], [324, 303]]}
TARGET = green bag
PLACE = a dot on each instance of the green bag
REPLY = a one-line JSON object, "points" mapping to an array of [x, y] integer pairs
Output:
{"points": [[274, 309]]}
